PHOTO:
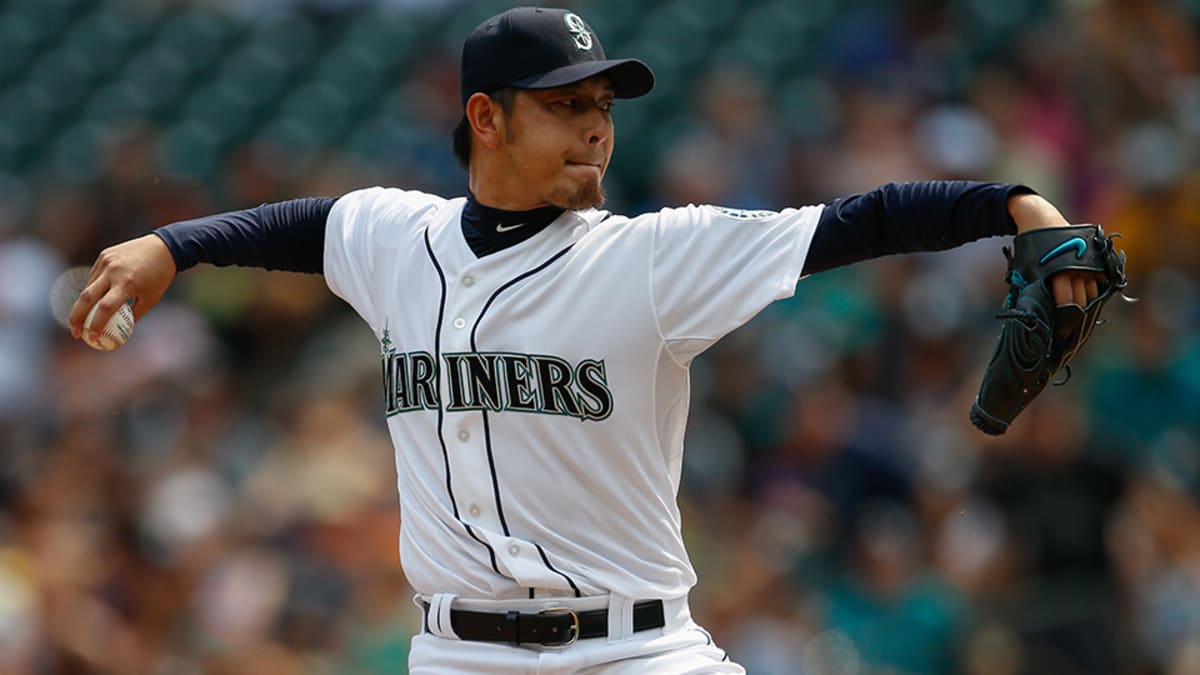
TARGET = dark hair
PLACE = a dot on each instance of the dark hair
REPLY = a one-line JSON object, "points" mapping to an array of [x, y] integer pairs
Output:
{"points": [[461, 141]]}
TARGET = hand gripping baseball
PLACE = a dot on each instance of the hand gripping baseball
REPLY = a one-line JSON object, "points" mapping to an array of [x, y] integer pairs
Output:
{"points": [[140, 270], [1039, 337]]}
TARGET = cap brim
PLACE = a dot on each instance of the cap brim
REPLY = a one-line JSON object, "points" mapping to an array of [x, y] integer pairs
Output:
{"points": [[630, 77]]}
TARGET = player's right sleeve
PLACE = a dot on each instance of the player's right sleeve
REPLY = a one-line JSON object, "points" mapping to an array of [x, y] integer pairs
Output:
{"points": [[370, 236], [284, 235], [350, 234]]}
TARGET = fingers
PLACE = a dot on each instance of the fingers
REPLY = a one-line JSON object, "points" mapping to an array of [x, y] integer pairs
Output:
{"points": [[103, 293], [105, 308], [139, 269], [91, 292], [1079, 289], [1093, 287], [101, 264], [83, 304], [1063, 289], [1075, 287], [141, 305]]}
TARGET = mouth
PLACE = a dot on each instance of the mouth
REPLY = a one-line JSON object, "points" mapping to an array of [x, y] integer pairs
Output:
{"points": [[586, 165]]}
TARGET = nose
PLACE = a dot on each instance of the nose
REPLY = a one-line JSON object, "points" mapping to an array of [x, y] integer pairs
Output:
{"points": [[599, 127]]}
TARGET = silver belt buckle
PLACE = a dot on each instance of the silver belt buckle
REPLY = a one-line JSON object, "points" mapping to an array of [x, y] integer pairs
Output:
{"points": [[572, 632]]}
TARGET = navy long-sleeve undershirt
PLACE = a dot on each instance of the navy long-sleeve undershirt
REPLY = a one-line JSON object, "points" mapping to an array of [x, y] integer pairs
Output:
{"points": [[287, 235], [909, 218], [893, 218]]}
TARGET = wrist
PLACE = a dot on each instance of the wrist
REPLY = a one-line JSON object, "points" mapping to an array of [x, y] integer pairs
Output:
{"points": [[1032, 212]]}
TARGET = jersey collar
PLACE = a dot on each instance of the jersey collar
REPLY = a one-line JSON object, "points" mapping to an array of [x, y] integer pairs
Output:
{"points": [[488, 230]]}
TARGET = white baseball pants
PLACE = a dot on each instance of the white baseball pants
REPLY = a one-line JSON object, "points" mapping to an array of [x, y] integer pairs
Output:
{"points": [[680, 647]]}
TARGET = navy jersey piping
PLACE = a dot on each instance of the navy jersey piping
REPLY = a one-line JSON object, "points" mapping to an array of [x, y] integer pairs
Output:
{"points": [[711, 643], [487, 434], [437, 351], [542, 552]]}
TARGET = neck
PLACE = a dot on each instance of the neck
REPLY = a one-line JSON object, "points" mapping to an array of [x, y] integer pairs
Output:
{"points": [[489, 212], [500, 189]]}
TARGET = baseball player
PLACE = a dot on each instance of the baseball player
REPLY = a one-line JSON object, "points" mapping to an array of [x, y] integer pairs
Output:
{"points": [[535, 348]]}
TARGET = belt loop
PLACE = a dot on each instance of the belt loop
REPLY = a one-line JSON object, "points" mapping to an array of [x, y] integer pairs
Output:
{"points": [[438, 618], [620, 618], [512, 623]]}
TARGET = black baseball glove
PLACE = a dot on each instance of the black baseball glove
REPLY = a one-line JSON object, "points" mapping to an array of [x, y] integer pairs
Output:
{"points": [[1039, 338]]}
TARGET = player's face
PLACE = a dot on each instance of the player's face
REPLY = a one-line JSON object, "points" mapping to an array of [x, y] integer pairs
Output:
{"points": [[558, 142]]}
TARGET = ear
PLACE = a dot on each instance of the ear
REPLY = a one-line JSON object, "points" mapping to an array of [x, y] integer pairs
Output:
{"points": [[486, 118]]}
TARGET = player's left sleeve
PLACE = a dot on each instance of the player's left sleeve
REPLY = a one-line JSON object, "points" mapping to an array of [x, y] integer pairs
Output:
{"points": [[910, 218], [714, 268]]}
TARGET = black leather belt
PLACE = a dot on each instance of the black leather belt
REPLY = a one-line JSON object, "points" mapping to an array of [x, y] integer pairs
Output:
{"points": [[554, 627]]}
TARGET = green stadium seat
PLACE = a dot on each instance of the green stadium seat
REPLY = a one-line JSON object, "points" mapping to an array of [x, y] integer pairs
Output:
{"points": [[73, 153], [201, 35], [212, 80], [193, 148], [292, 38], [820, 14], [383, 139], [45, 18], [226, 110], [615, 19], [297, 137], [25, 117], [105, 37], [257, 70], [10, 149], [61, 77], [359, 72], [782, 27], [461, 24], [18, 44], [117, 103], [158, 75], [311, 115], [679, 28], [714, 14], [389, 37], [807, 107]]}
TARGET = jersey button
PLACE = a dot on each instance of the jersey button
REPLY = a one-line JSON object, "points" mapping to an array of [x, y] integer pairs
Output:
{"points": [[474, 510], [513, 550], [464, 435], [460, 323], [468, 281]]}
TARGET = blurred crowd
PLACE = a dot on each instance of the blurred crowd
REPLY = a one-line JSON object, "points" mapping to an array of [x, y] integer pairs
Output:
{"points": [[218, 495]]}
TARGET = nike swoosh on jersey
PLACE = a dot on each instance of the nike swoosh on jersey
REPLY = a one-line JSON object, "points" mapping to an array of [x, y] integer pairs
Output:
{"points": [[1076, 243], [508, 228]]}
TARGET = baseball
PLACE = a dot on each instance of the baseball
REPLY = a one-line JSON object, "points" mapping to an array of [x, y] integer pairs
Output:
{"points": [[116, 331]]}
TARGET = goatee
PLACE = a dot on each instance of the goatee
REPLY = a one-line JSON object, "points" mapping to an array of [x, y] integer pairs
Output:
{"points": [[586, 196]]}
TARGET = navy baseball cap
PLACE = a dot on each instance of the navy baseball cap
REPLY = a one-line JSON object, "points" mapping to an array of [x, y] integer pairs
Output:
{"points": [[541, 48]]}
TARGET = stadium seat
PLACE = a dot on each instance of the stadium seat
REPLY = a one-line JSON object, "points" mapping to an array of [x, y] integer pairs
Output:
{"points": [[105, 37], [158, 75], [199, 35], [193, 147]]}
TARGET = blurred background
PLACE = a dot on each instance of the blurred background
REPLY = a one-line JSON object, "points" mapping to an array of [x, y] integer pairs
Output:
{"points": [[218, 495]]}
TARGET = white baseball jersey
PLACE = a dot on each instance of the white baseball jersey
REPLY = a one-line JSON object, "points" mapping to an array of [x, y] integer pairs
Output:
{"points": [[537, 397]]}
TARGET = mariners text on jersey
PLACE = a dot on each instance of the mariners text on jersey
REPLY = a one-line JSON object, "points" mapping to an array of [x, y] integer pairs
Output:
{"points": [[495, 381]]}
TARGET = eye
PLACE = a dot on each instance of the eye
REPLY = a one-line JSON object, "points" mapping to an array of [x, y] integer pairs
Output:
{"points": [[571, 103], [606, 106]]}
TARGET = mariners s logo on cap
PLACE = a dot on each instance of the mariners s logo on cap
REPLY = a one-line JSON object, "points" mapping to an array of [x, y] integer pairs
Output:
{"points": [[579, 29], [543, 48]]}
